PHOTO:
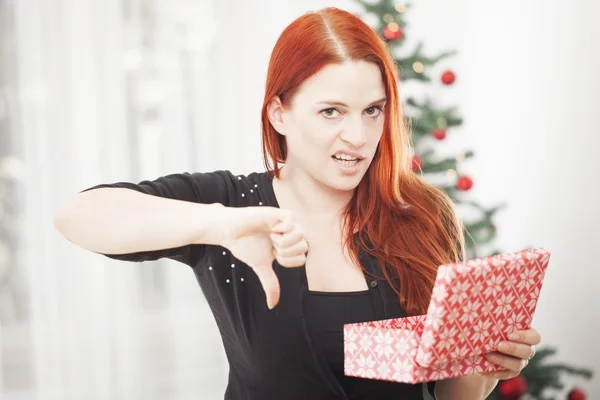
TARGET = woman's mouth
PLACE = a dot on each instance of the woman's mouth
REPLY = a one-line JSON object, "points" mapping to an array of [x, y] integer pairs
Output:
{"points": [[346, 161]]}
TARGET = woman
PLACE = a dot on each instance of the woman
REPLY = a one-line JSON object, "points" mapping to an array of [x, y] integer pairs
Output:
{"points": [[338, 178]]}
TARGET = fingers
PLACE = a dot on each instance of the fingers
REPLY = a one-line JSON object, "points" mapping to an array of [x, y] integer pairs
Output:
{"points": [[500, 375], [507, 362], [270, 283], [514, 355], [287, 240], [530, 336], [293, 255], [289, 244], [296, 250], [518, 350], [287, 222], [292, 262]]}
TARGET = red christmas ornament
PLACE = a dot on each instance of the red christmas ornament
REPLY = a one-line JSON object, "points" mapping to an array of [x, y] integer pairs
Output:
{"points": [[577, 394], [513, 389], [416, 163], [439, 134], [392, 34], [448, 77], [464, 183]]}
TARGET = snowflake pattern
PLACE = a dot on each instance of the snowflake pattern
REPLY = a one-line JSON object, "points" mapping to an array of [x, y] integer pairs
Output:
{"points": [[384, 344], [470, 312], [504, 304], [366, 364], [494, 286], [473, 306], [528, 278], [447, 338], [459, 352], [480, 331], [459, 293], [350, 341], [436, 313]]}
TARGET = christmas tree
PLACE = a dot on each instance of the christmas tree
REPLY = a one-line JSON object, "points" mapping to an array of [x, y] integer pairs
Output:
{"points": [[431, 123]]}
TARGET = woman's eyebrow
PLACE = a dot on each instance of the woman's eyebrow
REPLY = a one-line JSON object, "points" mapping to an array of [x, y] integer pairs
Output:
{"points": [[339, 103]]}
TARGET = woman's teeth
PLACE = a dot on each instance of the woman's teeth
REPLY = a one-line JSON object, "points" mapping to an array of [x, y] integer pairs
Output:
{"points": [[347, 162]]}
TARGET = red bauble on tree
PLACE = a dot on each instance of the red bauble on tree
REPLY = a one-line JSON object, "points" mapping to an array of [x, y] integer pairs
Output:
{"points": [[464, 183], [577, 394], [448, 77], [439, 134], [393, 34], [417, 162], [513, 389]]}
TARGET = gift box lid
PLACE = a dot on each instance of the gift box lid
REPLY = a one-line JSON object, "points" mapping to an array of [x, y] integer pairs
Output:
{"points": [[475, 304]]}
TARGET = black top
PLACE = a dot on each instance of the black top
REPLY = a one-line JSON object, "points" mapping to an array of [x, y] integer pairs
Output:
{"points": [[290, 352], [326, 313]]}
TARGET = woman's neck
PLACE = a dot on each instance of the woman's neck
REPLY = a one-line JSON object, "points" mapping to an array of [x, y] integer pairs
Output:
{"points": [[297, 190]]}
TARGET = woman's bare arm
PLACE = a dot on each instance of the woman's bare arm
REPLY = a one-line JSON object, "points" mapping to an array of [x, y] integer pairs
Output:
{"points": [[121, 221]]}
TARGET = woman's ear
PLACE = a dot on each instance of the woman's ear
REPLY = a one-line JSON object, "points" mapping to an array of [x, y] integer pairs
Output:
{"points": [[275, 114]]}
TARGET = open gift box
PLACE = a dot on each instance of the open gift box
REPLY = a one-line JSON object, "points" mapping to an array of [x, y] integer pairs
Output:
{"points": [[474, 305]]}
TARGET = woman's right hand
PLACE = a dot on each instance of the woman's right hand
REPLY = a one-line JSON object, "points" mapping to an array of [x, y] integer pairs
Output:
{"points": [[258, 236]]}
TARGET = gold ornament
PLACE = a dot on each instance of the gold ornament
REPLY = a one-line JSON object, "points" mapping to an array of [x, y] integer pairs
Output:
{"points": [[394, 27], [418, 67], [400, 7]]}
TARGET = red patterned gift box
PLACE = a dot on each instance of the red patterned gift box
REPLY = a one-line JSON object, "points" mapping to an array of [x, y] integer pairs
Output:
{"points": [[474, 305]]}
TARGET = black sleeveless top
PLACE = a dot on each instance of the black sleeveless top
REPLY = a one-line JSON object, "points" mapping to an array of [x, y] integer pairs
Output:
{"points": [[326, 313]]}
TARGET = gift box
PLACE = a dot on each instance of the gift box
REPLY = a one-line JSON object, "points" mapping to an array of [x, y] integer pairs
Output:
{"points": [[474, 305]]}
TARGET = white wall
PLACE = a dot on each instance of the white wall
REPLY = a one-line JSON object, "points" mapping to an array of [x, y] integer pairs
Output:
{"points": [[535, 130], [531, 94]]}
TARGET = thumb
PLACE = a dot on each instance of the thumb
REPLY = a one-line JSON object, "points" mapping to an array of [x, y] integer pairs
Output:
{"points": [[268, 279], [264, 218]]}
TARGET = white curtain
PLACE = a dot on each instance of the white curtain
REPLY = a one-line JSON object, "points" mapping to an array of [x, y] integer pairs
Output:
{"points": [[105, 91], [100, 91]]}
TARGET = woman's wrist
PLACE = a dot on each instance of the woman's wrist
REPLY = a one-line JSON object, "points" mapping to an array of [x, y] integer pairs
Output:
{"points": [[471, 387]]}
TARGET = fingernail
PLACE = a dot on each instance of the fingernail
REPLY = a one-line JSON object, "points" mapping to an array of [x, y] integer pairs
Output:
{"points": [[513, 336], [503, 346]]}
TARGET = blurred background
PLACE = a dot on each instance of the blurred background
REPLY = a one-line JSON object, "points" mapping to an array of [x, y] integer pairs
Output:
{"points": [[101, 91]]}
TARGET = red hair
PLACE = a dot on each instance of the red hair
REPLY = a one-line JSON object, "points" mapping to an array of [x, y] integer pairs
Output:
{"points": [[408, 225]]}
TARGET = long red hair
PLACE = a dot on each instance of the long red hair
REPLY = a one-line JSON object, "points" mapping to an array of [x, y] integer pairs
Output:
{"points": [[409, 225]]}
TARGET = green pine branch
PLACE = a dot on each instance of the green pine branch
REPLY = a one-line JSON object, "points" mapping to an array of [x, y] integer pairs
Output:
{"points": [[433, 166], [385, 7], [424, 118], [406, 64]]}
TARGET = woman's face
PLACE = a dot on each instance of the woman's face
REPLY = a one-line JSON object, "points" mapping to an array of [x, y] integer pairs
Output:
{"points": [[334, 123]]}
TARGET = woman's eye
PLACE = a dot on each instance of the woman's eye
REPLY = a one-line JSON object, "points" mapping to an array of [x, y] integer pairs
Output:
{"points": [[329, 112], [374, 111]]}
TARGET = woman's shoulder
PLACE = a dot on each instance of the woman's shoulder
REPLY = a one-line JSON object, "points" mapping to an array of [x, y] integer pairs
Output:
{"points": [[215, 186], [251, 189], [229, 179], [229, 188]]}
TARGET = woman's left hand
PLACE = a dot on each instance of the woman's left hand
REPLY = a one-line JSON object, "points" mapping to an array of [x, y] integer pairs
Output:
{"points": [[514, 355]]}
